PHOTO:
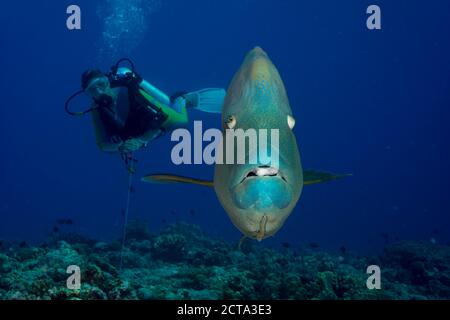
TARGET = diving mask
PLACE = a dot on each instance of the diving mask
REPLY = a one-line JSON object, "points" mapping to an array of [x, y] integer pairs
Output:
{"points": [[98, 87]]}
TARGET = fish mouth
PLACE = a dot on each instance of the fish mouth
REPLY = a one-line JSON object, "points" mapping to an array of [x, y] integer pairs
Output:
{"points": [[263, 171], [263, 188]]}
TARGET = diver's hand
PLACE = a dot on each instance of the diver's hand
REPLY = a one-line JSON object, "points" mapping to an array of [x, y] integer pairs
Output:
{"points": [[132, 145]]}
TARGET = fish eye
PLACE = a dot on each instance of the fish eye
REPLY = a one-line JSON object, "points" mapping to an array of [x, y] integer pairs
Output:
{"points": [[290, 121], [230, 122]]}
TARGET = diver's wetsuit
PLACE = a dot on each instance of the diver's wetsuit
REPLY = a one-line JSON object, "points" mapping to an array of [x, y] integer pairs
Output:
{"points": [[132, 116]]}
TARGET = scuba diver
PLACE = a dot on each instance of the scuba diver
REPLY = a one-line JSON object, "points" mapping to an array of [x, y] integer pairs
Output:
{"points": [[128, 112]]}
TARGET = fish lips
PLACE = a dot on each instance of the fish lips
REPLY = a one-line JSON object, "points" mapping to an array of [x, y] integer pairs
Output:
{"points": [[262, 188]]}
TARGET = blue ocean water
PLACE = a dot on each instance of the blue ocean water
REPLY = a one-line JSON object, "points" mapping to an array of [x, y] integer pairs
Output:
{"points": [[371, 103]]}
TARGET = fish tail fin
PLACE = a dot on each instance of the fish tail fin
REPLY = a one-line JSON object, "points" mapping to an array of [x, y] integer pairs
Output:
{"points": [[170, 178], [315, 176]]}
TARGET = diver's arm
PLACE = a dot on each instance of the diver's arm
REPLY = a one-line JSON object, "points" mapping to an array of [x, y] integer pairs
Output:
{"points": [[102, 138], [137, 143], [109, 147], [150, 135]]}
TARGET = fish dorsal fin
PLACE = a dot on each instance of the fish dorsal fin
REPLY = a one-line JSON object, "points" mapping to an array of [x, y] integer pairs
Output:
{"points": [[314, 176], [170, 178]]}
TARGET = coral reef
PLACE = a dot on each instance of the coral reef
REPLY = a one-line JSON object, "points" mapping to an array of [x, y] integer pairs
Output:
{"points": [[181, 262]]}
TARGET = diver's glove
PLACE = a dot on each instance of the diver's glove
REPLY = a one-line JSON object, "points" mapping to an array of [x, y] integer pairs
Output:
{"points": [[132, 145]]}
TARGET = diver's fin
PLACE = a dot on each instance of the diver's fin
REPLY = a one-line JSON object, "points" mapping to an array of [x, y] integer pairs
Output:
{"points": [[313, 176], [170, 178], [207, 100]]}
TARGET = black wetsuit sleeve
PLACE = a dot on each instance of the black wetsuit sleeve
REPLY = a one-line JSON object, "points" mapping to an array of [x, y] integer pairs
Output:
{"points": [[106, 132]]}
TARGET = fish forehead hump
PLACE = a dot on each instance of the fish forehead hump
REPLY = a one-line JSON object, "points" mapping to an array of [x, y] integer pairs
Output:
{"points": [[256, 87]]}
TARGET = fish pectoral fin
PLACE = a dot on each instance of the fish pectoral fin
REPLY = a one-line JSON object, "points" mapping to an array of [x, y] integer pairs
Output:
{"points": [[314, 176], [170, 178]]}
